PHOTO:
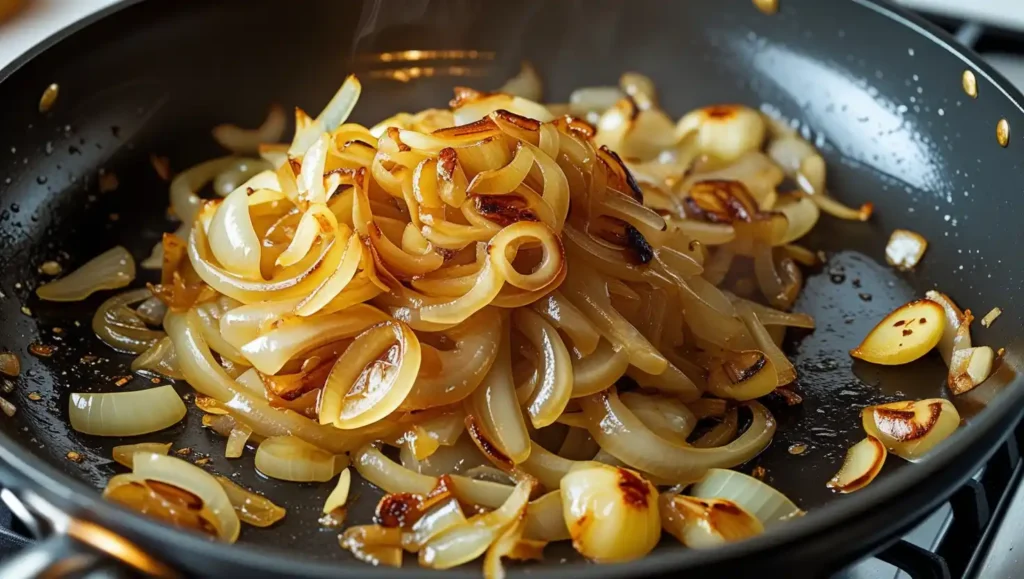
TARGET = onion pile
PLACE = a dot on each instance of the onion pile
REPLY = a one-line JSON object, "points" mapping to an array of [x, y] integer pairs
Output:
{"points": [[527, 304]]}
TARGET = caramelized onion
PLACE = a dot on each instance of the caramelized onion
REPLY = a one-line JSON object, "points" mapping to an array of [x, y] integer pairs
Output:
{"points": [[111, 269], [125, 413], [293, 459]]}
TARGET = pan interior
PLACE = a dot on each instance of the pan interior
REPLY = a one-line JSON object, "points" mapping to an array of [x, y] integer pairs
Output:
{"points": [[118, 109]]}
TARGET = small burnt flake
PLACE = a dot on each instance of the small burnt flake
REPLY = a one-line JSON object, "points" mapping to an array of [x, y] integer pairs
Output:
{"points": [[864, 296], [907, 332], [899, 323], [641, 249]]}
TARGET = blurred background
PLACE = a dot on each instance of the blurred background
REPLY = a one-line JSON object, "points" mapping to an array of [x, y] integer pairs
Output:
{"points": [[994, 28]]}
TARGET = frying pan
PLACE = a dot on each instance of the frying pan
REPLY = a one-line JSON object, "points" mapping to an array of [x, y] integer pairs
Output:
{"points": [[877, 89]]}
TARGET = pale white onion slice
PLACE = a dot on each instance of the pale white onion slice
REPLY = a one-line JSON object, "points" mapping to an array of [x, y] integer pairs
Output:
{"points": [[624, 436], [339, 496], [544, 519], [247, 141], [124, 454], [589, 102], [759, 499], [111, 269], [125, 413], [526, 84], [191, 478], [293, 459]]}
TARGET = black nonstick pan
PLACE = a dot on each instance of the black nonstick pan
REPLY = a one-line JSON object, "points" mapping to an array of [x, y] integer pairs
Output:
{"points": [[878, 90]]}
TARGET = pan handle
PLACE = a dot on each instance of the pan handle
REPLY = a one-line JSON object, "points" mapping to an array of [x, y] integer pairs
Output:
{"points": [[66, 546]]}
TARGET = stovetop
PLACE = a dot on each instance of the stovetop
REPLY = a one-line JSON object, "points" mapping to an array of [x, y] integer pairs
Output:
{"points": [[979, 533]]}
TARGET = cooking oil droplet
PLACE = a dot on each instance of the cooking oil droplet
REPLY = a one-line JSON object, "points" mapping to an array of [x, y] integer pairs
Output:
{"points": [[49, 148], [767, 6], [1003, 132], [970, 84], [41, 179]]}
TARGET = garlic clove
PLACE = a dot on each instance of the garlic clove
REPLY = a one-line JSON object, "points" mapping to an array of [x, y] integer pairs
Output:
{"points": [[969, 368], [904, 335], [863, 462]]}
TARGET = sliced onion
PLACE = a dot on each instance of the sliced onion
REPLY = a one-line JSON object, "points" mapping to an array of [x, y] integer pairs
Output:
{"points": [[339, 496], [552, 394], [123, 454], [335, 113], [293, 459], [381, 471], [464, 542], [232, 238], [911, 428], [372, 378], [247, 141], [863, 462], [207, 377], [236, 441], [624, 436], [956, 333], [269, 352], [125, 413], [111, 269], [526, 84], [703, 523], [252, 508], [611, 513], [544, 519], [120, 327], [374, 544], [767, 504], [801, 216], [191, 479], [159, 358], [438, 519]]}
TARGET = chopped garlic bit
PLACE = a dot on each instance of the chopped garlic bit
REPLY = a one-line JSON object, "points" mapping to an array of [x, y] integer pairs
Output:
{"points": [[905, 249], [991, 317]]}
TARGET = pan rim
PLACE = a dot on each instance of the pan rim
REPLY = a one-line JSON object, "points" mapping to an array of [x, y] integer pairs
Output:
{"points": [[865, 506]]}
